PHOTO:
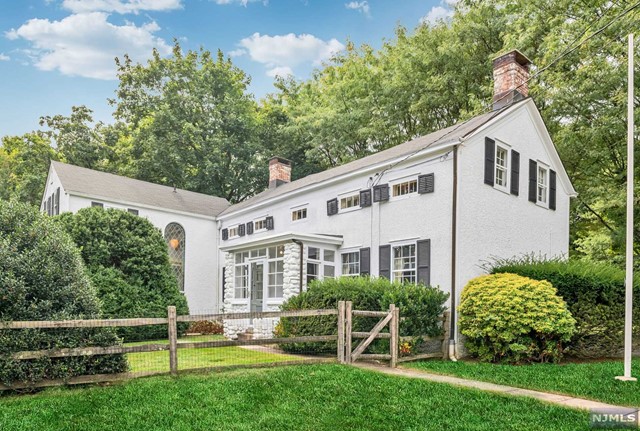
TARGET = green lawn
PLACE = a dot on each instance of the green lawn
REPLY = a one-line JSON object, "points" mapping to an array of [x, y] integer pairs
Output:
{"points": [[313, 397], [200, 358], [592, 380]]}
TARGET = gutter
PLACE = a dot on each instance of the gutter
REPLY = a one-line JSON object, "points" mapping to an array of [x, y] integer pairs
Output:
{"points": [[301, 244], [454, 236]]}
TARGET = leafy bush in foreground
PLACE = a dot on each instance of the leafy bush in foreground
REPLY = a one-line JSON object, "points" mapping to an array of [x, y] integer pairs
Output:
{"points": [[420, 307], [42, 277], [594, 293], [514, 319]]}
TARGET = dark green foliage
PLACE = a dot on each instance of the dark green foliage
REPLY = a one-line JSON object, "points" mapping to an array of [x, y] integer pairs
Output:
{"points": [[420, 306], [42, 278], [127, 260], [594, 294]]}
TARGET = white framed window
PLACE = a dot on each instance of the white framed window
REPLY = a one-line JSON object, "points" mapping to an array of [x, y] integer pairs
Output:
{"points": [[258, 253], [241, 276], [351, 264], [276, 278], [233, 232], [543, 185], [404, 188], [350, 201], [260, 224], [320, 264], [502, 167], [299, 214], [403, 263]]}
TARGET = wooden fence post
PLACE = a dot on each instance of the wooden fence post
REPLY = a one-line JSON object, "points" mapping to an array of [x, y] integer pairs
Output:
{"points": [[173, 339], [446, 324], [348, 331], [394, 330], [341, 309]]}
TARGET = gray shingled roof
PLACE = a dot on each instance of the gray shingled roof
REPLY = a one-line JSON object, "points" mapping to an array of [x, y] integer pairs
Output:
{"points": [[122, 189], [450, 134]]}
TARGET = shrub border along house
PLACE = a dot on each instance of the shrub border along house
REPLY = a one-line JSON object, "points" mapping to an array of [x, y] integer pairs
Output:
{"points": [[514, 319], [594, 293]]}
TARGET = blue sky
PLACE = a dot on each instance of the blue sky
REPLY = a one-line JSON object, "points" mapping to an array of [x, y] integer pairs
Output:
{"points": [[59, 53]]}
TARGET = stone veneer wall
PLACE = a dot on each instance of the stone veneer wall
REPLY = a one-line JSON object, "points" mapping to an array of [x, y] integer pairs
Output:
{"points": [[262, 328]]}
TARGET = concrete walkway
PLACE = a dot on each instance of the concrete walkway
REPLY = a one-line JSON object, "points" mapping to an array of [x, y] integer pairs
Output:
{"points": [[560, 400]]}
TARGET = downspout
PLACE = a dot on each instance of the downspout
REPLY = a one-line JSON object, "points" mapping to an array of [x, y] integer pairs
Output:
{"points": [[454, 232], [297, 241]]}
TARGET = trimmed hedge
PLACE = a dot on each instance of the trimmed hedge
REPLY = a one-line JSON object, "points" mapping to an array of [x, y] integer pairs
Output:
{"points": [[513, 319], [420, 306], [594, 293], [127, 260], [42, 277]]}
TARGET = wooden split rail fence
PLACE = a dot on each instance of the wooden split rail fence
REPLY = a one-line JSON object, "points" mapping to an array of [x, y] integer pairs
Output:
{"points": [[344, 338]]}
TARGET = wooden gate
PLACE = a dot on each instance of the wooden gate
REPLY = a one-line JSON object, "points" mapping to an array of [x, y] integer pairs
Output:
{"points": [[389, 318]]}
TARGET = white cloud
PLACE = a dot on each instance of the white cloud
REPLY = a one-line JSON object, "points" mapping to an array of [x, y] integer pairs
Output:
{"points": [[360, 6], [237, 52], [289, 50], [282, 71], [120, 6], [436, 14], [86, 44], [4, 57], [240, 2]]}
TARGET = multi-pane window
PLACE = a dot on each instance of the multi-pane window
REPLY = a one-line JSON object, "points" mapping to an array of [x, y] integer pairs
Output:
{"points": [[133, 211], [241, 276], [299, 214], [260, 225], [542, 184], [320, 264], [97, 204], [501, 166], [175, 238], [403, 263], [233, 232], [350, 201], [405, 188], [258, 252], [351, 263], [276, 278]]}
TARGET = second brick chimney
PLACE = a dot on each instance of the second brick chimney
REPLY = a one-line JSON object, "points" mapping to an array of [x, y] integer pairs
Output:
{"points": [[510, 75], [279, 172]]}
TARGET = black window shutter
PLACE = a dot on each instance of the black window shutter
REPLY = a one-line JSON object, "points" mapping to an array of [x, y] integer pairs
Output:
{"points": [[515, 173], [365, 198], [225, 234], [424, 261], [552, 190], [425, 184], [250, 228], [365, 261], [332, 207], [533, 181], [384, 266], [224, 282], [381, 193], [241, 229], [489, 161], [269, 222], [49, 205], [57, 211]]}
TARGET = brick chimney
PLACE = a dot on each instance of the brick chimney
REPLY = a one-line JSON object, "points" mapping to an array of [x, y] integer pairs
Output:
{"points": [[279, 172], [510, 74]]}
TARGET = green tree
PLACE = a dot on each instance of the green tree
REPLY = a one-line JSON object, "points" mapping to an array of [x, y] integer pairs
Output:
{"points": [[127, 259], [193, 123]]}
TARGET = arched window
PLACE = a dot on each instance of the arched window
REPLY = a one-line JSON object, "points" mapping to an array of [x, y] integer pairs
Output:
{"points": [[175, 238]]}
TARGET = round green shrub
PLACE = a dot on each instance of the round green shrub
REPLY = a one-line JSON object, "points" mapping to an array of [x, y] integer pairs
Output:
{"points": [[42, 277], [127, 260], [595, 295], [513, 319], [421, 308]]}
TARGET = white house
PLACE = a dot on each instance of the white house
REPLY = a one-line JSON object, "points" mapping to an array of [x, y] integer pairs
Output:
{"points": [[186, 219], [430, 210]]}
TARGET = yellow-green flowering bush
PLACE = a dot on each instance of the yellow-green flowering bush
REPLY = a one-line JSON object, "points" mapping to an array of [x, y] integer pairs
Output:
{"points": [[514, 319]]}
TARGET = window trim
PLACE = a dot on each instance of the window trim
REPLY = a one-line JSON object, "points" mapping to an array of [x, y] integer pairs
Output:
{"points": [[541, 166], [262, 219], [347, 252], [402, 180], [499, 145], [235, 227], [392, 270], [354, 194], [299, 209]]}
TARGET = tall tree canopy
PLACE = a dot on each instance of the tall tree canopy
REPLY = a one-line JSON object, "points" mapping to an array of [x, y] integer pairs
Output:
{"points": [[192, 123]]}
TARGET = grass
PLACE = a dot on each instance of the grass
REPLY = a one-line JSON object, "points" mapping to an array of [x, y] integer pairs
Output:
{"points": [[313, 397], [200, 358], [591, 380]]}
